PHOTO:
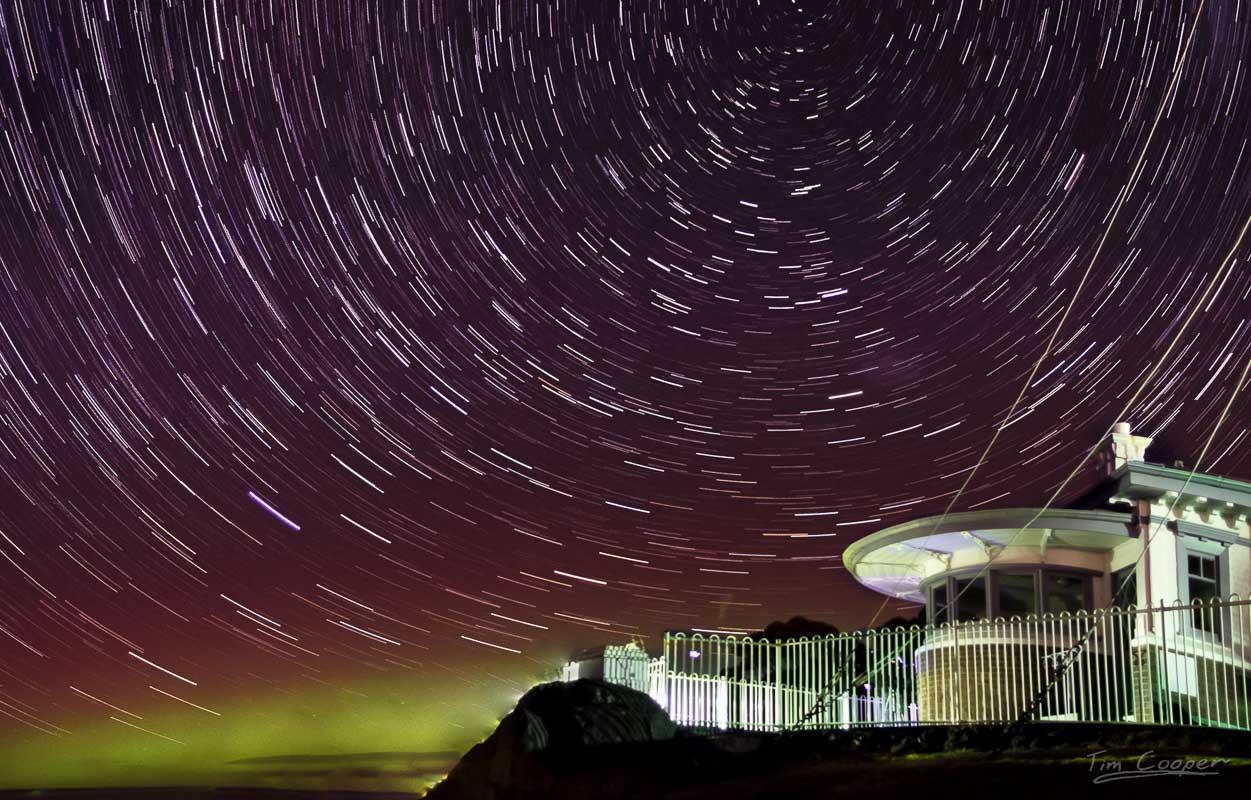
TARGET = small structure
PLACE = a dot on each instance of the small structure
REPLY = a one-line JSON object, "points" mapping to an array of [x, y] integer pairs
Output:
{"points": [[1145, 538], [624, 665]]}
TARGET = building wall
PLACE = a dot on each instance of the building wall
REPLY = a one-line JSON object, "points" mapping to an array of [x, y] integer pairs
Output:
{"points": [[1173, 688], [1240, 571], [972, 683], [1056, 556], [1239, 555], [1157, 574], [1143, 682], [1163, 547], [583, 668], [1124, 554], [1001, 680], [1162, 574]]}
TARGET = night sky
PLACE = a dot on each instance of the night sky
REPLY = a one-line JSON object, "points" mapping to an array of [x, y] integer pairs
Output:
{"points": [[357, 362]]}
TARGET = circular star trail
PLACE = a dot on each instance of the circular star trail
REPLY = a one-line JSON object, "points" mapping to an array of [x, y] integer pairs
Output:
{"points": [[414, 343]]}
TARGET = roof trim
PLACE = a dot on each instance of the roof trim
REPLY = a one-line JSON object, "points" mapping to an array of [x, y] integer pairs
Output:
{"points": [[1198, 530], [1154, 479], [1115, 523]]}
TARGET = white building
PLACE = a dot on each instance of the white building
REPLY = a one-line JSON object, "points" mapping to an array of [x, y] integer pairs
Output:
{"points": [[1130, 605], [1146, 537]]}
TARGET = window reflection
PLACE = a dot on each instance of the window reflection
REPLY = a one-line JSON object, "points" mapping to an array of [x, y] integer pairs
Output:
{"points": [[971, 603], [1065, 593], [1017, 595]]}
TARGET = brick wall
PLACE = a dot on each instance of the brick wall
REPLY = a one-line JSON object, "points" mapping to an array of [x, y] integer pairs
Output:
{"points": [[998, 682], [1143, 681], [975, 683]]}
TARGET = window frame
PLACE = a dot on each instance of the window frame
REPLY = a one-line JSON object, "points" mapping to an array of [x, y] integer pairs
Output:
{"points": [[931, 607], [954, 591], [996, 611], [990, 581], [1219, 553]]}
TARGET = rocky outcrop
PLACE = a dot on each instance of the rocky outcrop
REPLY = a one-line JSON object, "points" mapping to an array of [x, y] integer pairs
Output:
{"points": [[586, 713], [550, 724], [523, 761]]}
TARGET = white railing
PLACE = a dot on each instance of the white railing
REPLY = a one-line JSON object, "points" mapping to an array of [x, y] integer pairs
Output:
{"points": [[1171, 664], [627, 665]]}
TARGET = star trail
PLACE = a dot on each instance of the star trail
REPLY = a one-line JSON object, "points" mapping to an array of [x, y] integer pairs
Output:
{"points": [[388, 348]]}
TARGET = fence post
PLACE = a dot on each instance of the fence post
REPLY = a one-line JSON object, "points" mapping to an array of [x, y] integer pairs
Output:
{"points": [[779, 705], [956, 658]]}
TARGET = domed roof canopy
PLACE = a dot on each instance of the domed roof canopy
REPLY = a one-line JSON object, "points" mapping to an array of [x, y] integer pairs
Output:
{"points": [[896, 560]]}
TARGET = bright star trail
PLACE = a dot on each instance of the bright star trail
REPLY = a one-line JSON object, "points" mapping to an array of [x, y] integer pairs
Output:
{"points": [[384, 352]]}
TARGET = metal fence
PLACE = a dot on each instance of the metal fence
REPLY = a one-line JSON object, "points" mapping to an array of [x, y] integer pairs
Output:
{"points": [[1171, 664], [628, 665]]}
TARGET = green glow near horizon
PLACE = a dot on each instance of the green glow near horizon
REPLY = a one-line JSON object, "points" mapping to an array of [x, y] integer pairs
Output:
{"points": [[385, 718]]}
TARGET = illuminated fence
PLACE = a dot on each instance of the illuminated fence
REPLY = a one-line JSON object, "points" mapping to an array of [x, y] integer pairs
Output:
{"points": [[627, 665], [1181, 665]]}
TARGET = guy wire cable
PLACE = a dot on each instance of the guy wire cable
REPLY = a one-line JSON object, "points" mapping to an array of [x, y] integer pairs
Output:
{"points": [[1216, 279], [1122, 197]]}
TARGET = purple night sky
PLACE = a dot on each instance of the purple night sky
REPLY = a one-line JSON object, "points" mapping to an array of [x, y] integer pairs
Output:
{"points": [[348, 348]]}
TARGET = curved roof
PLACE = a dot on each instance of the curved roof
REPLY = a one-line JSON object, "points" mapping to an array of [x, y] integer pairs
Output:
{"points": [[893, 561]]}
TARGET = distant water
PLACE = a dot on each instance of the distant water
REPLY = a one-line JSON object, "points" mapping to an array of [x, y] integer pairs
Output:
{"points": [[357, 772], [285, 777]]}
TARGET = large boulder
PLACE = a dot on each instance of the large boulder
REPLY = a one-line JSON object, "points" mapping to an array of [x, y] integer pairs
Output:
{"points": [[586, 713], [549, 725]]}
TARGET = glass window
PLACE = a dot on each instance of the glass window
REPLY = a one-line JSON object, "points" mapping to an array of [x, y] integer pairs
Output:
{"points": [[1017, 595], [1065, 593], [970, 599], [1201, 575], [938, 603], [1125, 587]]}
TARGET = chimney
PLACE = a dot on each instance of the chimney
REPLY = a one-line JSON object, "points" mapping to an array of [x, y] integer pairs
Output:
{"points": [[1121, 448]]}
